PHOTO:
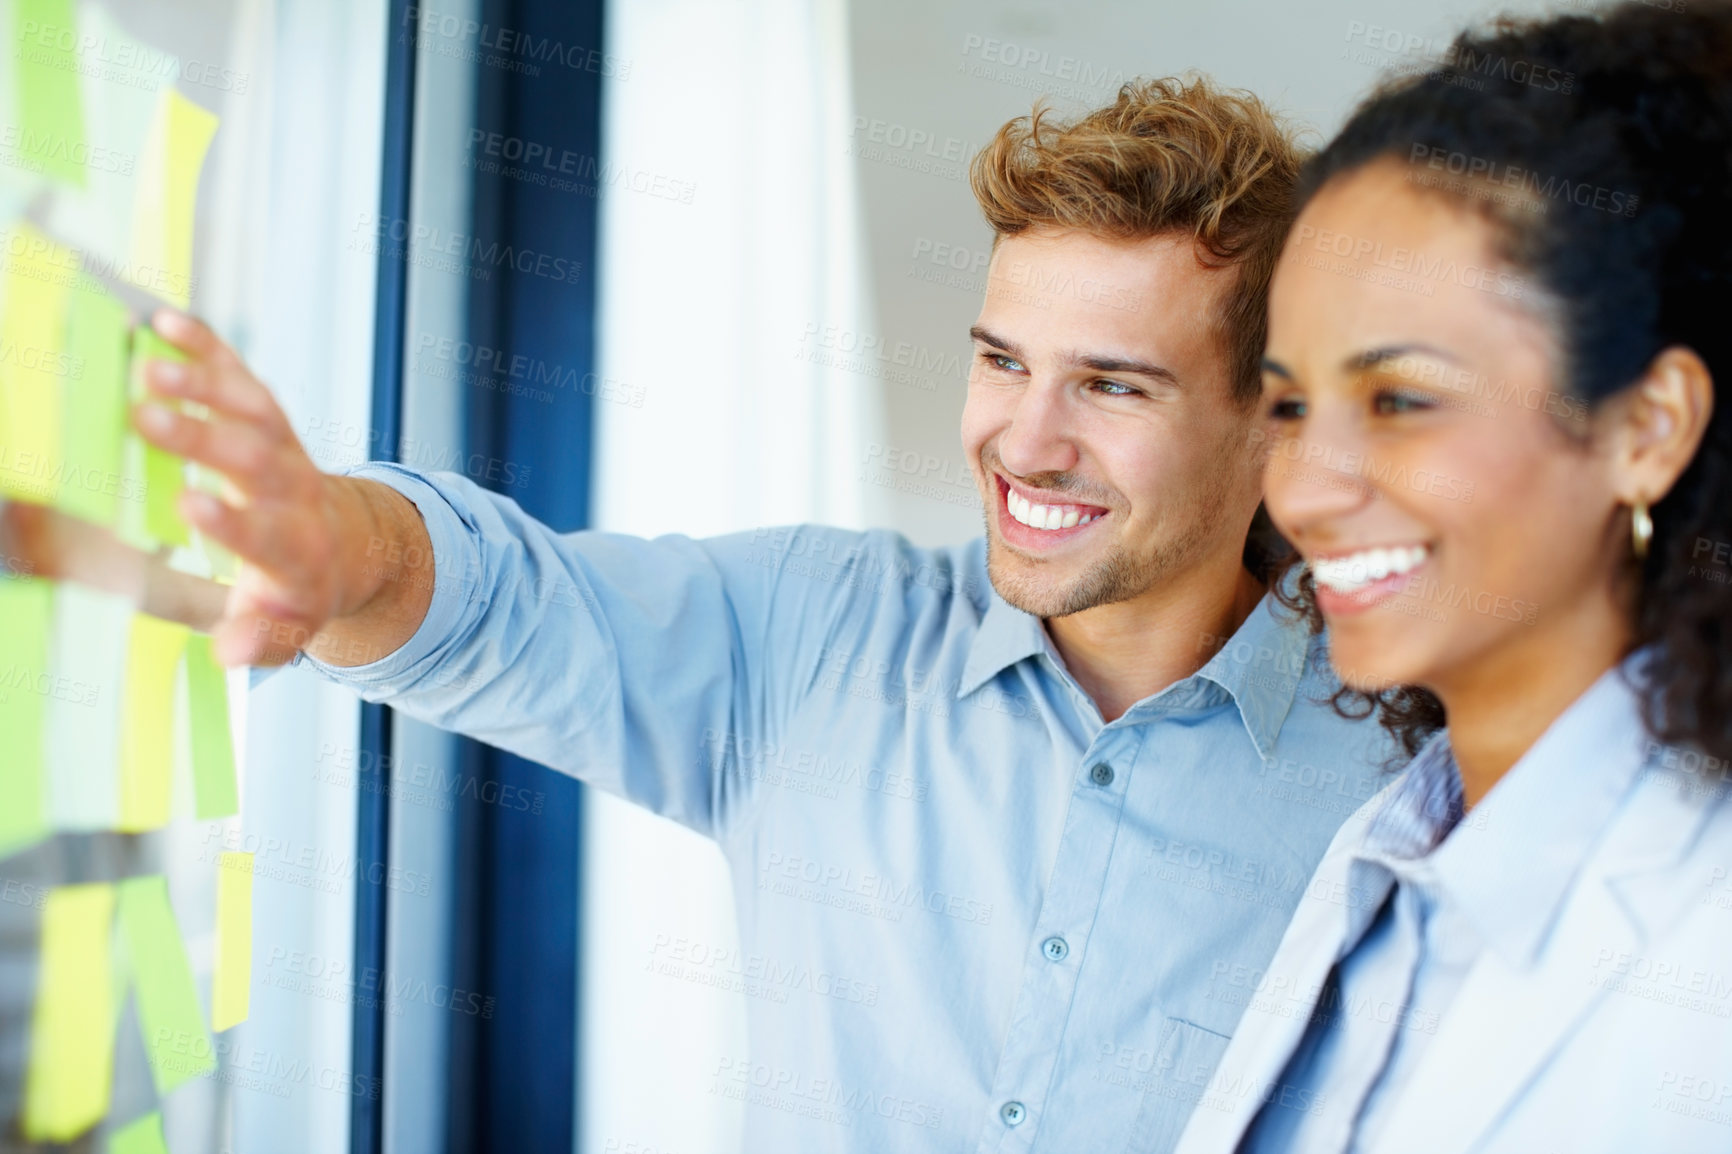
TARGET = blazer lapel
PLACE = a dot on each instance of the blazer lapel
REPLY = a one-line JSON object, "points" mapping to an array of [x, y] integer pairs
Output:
{"points": [[1338, 905], [1506, 1022]]}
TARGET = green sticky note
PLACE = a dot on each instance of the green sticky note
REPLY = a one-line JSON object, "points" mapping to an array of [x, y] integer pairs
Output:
{"points": [[140, 1136], [26, 608], [147, 723], [213, 756], [71, 1071], [94, 407], [44, 35], [174, 1035], [231, 983], [164, 473]]}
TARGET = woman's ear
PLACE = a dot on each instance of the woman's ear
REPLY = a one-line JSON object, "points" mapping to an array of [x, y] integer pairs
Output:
{"points": [[1659, 424]]}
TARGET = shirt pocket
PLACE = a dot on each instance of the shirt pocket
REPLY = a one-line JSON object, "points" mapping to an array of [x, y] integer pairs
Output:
{"points": [[1184, 1064]]}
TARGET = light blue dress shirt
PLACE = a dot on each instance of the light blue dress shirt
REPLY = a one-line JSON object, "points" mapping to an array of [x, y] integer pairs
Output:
{"points": [[1438, 890], [978, 917]]}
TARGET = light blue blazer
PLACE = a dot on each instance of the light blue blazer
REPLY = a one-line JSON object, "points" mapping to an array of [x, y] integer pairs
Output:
{"points": [[1615, 1038]]}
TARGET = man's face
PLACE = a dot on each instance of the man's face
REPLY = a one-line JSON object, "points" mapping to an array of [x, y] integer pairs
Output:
{"points": [[1100, 424]]}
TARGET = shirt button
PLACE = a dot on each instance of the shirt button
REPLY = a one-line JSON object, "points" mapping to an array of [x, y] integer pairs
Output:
{"points": [[1013, 1113], [1055, 948], [1101, 774]]}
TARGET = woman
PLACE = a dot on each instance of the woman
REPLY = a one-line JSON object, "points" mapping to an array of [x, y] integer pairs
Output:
{"points": [[1496, 340]]}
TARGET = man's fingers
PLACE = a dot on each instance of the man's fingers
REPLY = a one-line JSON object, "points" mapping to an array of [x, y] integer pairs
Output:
{"points": [[192, 337], [228, 389], [255, 464], [268, 539]]}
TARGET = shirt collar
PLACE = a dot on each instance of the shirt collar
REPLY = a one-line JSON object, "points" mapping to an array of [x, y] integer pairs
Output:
{"points": [[1509, 864], [1420, 809], [1260, 666], [1006, 635]]}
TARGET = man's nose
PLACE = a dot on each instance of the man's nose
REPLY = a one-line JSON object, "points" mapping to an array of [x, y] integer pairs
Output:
{"points": [[1040, 437]]}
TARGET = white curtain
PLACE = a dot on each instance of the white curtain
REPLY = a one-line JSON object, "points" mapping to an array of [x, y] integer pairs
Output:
{"points": [[299, 166], [730, 240]]}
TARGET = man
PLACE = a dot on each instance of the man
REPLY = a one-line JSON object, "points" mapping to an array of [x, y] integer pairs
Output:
{"points": [[1033, 810]]}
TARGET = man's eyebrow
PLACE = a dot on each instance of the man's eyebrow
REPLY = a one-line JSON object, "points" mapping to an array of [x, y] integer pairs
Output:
{"points": [[987, 337], [1371, 358], [1099, 362], [1112, 364]]}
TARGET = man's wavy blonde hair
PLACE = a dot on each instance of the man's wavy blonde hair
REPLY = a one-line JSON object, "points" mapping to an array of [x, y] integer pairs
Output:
{"points": [[1167, 156]]}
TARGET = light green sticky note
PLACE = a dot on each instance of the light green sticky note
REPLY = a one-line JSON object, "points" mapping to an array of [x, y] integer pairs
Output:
{"points": [[129, 523], [140, 1136], [147, 723], [26, 606], [164, 473], [213, 756], [175, 1039], [71, 1071], [94, 402], [117, 119], [92, 630], [44, 36]]}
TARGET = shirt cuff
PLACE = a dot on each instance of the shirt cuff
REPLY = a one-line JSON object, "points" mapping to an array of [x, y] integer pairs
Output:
{"points": [[456, 572]]}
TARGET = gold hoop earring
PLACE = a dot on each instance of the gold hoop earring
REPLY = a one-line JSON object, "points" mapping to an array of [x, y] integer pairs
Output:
{"points": [[1641, 529]]}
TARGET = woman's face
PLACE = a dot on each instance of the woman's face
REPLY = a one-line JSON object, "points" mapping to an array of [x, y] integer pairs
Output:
{"points": [[1424, 456]]}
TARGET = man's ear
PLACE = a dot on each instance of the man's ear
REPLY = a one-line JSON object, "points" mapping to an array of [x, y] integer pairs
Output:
{"points": [[1660, 423]]}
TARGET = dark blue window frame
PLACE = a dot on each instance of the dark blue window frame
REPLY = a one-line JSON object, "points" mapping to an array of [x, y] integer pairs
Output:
{"points": [[516, 910]]}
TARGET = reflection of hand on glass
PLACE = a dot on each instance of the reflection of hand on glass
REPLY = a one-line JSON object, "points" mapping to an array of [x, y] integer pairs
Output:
{"points": [[37, 541], [303, 537]]}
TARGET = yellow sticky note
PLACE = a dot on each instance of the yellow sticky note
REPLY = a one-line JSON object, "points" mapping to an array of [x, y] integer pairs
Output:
{"points": [[167, 194], [147, 723], [140, 1136], [232, 983], [26, 608], [71, 1069], [175, 1040], [94, 406], [33, 333]]}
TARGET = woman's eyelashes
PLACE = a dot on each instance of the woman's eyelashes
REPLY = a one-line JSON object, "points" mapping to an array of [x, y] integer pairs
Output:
{"points": [[1287, 407], [1382, 402], [1391, 402]]}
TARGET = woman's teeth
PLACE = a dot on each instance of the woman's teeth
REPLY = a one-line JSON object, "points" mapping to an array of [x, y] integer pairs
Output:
{"points": [[1355, 571], [1045, 516]]}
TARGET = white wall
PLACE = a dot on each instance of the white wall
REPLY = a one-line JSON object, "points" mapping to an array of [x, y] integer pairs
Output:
{"points": [[957, 70]]}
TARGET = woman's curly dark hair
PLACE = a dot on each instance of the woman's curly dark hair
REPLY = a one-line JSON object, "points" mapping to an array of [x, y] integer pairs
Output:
{"points": [[1620, 125]]}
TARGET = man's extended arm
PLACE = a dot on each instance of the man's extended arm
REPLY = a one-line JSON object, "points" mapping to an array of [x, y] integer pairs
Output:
{"points": [[338, 567]]}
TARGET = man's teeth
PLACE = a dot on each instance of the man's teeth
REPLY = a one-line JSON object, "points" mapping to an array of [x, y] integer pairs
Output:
{"points": [[1357, 570], [1044, 516]]}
